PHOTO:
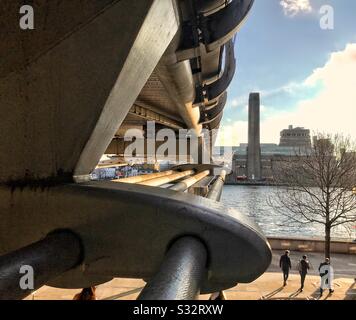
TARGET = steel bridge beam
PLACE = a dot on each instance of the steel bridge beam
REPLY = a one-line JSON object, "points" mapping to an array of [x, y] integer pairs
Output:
{"points": [[216, 189], [187, 183], [180, 274], [57, 253], [126, 230]]}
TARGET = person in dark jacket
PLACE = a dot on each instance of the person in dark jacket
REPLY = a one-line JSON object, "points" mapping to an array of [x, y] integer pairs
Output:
{"points": [[285, 265], [304, 266]]}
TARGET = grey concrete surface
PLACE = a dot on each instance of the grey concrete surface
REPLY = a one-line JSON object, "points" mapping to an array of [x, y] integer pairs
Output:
{"points": [[63, 101]]}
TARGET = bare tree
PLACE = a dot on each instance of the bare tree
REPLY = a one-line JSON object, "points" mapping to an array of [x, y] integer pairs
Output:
{"points": [[317, 185]]}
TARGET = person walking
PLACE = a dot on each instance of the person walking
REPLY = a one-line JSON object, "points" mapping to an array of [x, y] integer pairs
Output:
{"points": [[285, 265], [326, 273], [304, 266]]}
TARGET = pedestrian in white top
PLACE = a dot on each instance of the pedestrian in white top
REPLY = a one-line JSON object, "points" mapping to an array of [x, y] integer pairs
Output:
{"points": [[326, 272]]}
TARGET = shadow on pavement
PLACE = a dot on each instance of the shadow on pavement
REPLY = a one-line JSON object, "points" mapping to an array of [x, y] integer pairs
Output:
{"points": [[295, 294], [324, 296], [123, 294], [351, 292], [268, 296]]}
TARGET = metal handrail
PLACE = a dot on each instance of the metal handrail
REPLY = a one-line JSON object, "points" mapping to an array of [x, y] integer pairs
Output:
{"points": [[145, 177], [187, 183], [167, 179]]}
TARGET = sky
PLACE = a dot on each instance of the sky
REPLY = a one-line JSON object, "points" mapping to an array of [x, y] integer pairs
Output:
{"points": [[306, 74]]}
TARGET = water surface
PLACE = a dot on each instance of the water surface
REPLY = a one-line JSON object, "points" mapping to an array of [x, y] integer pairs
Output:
{"points": [[252, 201]]}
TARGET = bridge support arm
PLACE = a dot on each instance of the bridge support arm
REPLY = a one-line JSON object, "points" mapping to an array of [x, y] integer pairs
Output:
{"points": [[216, 189], [47, 258], [181, 273]]}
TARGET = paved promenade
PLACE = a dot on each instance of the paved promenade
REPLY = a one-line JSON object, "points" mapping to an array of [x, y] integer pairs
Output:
{"points": [[268, 286], [344, 264]]}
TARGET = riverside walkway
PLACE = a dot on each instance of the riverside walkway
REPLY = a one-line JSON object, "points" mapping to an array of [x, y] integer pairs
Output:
{"points": [[267, 287]]}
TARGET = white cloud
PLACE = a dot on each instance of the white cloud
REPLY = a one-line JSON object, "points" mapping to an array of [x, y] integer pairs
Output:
{"points": [[293, 7], [234, 103], [332, 110], [230, 135], [290, 88]]}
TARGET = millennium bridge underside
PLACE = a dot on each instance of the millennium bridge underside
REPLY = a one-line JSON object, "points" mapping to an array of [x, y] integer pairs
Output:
{"points": [[69, 89]]}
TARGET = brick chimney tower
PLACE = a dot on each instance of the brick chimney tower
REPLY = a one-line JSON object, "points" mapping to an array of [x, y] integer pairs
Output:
{"points": [[254, 146]]}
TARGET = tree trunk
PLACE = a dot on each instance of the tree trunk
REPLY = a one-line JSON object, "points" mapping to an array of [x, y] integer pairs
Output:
{"points": [[327, 241]]}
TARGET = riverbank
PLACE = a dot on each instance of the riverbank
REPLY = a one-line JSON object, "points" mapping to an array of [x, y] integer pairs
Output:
{"points": [[252, 183], [267, 287]]}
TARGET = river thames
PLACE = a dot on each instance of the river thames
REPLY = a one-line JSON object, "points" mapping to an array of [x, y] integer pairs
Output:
{"points": [[252, 201]]}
